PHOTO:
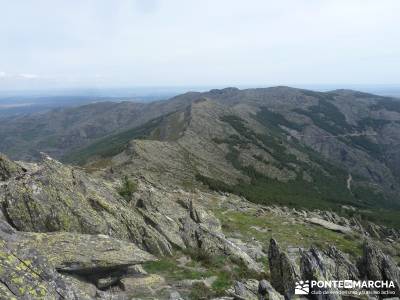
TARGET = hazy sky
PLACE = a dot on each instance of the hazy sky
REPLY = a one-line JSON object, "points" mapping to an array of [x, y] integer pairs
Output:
{"points": [[82, 43]]}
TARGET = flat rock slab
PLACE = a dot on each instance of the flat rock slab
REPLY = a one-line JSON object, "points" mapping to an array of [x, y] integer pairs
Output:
{"points": [[72, 252], [329, 225]]}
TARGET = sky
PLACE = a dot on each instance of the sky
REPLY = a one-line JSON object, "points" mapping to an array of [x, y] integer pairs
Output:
{"points": [[116, 43]]}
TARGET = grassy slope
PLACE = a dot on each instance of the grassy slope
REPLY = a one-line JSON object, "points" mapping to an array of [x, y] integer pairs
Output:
{"points": [[288, 234]]}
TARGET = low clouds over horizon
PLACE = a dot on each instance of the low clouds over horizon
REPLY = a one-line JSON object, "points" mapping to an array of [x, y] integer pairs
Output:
{"points": [[76, 43]]}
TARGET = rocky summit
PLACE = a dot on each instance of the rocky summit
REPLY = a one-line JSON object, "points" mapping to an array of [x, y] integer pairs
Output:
{"points": [[227, 194]]}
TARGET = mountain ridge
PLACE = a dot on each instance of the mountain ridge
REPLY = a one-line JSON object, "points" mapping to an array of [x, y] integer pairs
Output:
{"points": [[238, 140]]}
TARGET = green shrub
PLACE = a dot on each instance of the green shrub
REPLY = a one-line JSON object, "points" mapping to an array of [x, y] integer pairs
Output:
{"points": [[127, 189]]}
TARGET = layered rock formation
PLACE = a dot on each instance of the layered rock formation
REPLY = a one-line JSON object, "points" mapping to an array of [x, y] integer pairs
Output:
{"points": [[66, 234], [283, 272]]}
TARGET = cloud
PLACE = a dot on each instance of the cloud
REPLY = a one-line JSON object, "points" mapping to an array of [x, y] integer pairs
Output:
{"points": [[5, 75], [208, 42], [28, 76]]}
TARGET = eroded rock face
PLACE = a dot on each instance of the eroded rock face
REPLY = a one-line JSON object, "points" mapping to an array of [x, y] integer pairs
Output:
{"points": [[375, 265], [55, 197], [283, 272]]}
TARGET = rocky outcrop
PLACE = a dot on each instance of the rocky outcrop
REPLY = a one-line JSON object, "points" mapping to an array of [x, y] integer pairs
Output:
{"points": [[339, 265], [330, 264], [9, 169], [54, 197], [375, 265], [92, 235], [81, 253], [314, 266], [30, 277], [89, 242], [51, 197], [64, 265], [27, 274], [282, 269]]}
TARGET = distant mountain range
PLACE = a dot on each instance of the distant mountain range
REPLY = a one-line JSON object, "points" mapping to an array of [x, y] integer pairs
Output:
{"points": [[275, 145]]}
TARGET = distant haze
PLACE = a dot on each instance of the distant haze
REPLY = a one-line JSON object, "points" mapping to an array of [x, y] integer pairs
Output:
{"points": [[64, 44]]}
